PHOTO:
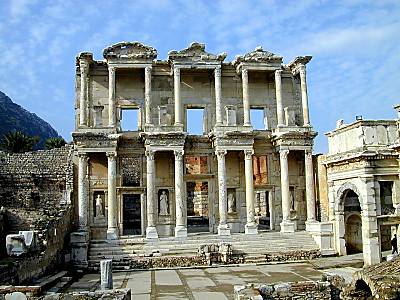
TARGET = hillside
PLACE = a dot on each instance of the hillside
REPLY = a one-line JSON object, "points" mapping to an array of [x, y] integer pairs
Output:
{"points": [[15, 118]]}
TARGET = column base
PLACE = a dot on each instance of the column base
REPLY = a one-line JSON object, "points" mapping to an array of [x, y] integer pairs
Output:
{"points": [[312, 226], [112, 234], [79, 248], [180, 232], [151, 232], [251, 228], [224, 229], [287, 227]]}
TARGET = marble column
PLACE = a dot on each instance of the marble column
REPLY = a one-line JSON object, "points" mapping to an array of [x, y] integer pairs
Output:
{"points": [[251, 226], [304, 96], [223, 228], [246, 100], [112, 228], [278, 93], [310, 196], [84, 67], [177, 94], [83, 203], [147, 94], [112, 116], [218, 97], [151, 230], [286, 225], [180, 200]]}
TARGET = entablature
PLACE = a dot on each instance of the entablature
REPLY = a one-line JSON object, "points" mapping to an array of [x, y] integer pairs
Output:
{"points": [[298, 63], [259, 59], [95, 142]]}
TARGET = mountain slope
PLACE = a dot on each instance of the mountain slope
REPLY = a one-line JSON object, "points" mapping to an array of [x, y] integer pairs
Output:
{"points": [[15, 118]]}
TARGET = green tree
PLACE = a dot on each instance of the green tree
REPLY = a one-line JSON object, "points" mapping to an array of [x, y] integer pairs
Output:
{"points": [[56, 142], [18, 142]]}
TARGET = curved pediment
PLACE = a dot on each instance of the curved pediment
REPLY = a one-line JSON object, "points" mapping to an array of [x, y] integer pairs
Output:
{"points": [[257, 56], [195, 53], [129, 50]]}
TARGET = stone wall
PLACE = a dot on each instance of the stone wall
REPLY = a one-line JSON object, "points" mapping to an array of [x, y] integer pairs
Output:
{"points": [[38, 179], [35, 190]]}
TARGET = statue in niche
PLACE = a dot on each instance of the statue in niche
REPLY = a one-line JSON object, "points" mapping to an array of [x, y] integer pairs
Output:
{"points": [[231, 203], [99, 206], [163, 203]]}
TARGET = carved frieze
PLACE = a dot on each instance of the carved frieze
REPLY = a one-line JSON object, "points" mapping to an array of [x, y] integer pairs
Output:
{"points": [[95, 140]]}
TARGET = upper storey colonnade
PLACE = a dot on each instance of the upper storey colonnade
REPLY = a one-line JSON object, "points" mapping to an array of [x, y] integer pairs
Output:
{"points": [[134, 55]]}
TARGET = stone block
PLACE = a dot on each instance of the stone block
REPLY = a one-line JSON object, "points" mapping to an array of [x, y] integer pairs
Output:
{"points": [[79, 248], [15, 244], [106, 274], [31, 239], [287, 227]]}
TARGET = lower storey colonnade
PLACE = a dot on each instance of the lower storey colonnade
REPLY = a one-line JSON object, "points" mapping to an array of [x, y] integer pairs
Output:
{"points": [[180, 209]]}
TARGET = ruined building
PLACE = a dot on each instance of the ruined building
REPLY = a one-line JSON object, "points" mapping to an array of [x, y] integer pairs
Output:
{"points": [[359, 187], [142, 172]]}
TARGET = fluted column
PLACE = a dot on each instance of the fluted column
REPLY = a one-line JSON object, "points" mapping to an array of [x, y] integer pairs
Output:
{"points": [[112, 116], [246, 100], [84, 67], [286, 224], [112, 228], [218, 97], [310, 196], [151, 231], [177, 94], [82, 191], [251, 226], [223, 228], [278, 92], [304, 96], [180, 200], [147, 94]]}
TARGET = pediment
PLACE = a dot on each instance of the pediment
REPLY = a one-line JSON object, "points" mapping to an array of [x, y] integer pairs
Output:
{"points": [[195, 53], [129, 50], [259, 55]]}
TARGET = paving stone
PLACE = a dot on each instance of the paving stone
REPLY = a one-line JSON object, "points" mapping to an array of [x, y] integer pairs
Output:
{"points": [[209, 296], [167, 277], [199, 282]]}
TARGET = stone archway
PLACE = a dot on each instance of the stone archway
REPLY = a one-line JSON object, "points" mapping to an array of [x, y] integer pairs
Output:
{"points": [[353, 223]]}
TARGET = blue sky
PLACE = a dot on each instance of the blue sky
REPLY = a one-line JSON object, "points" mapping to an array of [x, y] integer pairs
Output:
{"points": [[355, 46]]}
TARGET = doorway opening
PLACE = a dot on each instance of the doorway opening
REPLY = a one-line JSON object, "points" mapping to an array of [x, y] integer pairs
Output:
{"points": [[131, 214], [197, 206], [262, 210], [353, 223]]}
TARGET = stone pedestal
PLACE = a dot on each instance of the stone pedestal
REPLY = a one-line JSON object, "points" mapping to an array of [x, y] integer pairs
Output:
{"points": [[287, 227], [79, 248], [391, 257], [180, 231], [106, 274], [251, 228], [151, 232], [224, 230]]}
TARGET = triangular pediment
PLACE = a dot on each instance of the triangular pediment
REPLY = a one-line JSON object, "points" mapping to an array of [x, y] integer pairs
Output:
{"points": [[195, 53], [129, 50], [257, 56]]}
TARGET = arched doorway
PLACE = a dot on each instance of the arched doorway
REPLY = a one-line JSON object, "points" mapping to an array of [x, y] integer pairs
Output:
{"points": [[353, 223]]}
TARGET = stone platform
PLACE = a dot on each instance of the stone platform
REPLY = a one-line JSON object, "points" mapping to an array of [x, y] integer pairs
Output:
{"points": [[170, 252]]}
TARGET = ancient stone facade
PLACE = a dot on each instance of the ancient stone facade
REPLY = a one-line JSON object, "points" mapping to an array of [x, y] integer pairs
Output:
{"points": [[359, 187], [159, 179]]}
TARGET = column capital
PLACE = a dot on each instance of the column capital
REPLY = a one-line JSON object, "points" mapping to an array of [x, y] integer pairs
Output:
{"points": [[302, 69], [111, 155], [308, 152], [245, 72], [150, 154], [284, 153], [111, 70], [217, 71], [248, 154], [178, 154], [148, 70], [220, 153], [84, 66], [278, 73], [82, 154], [177, 71]]}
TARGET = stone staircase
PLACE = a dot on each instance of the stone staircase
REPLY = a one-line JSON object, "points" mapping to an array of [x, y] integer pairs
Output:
{"points": [[261, 248]]}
